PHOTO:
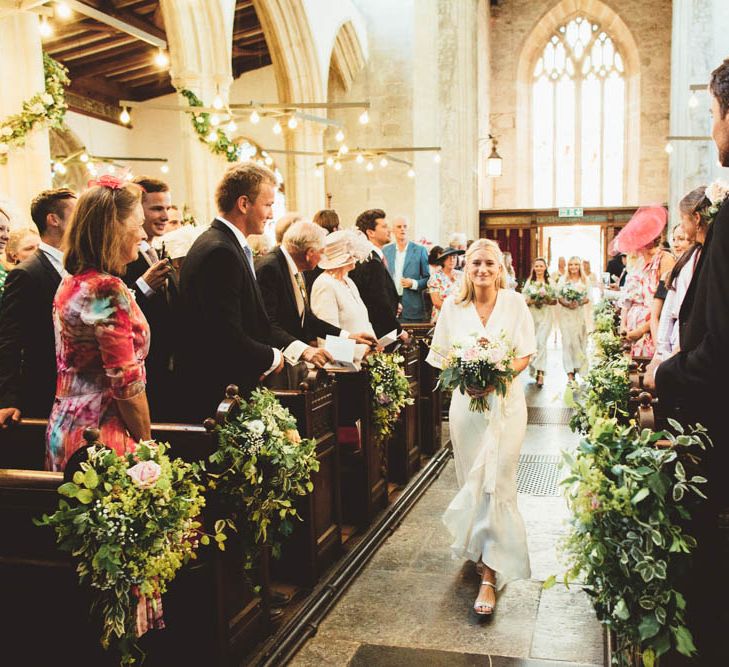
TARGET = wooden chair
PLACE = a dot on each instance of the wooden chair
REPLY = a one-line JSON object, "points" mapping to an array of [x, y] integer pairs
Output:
{"points": [[404, 447]]}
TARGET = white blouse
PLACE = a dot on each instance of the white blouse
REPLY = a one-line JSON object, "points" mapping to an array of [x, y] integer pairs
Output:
{"points": [[339, 303]]}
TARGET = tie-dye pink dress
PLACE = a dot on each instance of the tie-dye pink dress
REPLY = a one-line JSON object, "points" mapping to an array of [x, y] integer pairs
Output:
{"points": [[102, 339]]}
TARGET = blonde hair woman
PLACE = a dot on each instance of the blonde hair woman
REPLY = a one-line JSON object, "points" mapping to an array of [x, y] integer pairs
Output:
{"points": [[22, 243], [572, 322], [483, 518]]}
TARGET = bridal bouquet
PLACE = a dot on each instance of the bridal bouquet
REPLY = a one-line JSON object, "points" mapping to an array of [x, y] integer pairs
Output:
{"points": [[477, 364], [540, 294], [572, 294]]}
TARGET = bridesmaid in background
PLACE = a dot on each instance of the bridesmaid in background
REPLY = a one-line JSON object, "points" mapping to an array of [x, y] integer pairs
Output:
{"points": [[542, 314], [572, 322]]}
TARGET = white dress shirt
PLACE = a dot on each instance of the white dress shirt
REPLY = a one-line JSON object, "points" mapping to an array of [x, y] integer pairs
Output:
{"points": [[141, 283], [55, 257], [399, 266], [244, 244]]}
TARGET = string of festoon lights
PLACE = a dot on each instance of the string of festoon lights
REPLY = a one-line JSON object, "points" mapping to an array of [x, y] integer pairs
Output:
{"points": [[97, 165]]}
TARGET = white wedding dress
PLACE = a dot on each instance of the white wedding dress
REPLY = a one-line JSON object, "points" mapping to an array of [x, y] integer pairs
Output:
{"points": [[483, 518]]}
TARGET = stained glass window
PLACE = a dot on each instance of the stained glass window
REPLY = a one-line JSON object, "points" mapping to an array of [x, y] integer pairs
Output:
{"points": [[578, 119]]}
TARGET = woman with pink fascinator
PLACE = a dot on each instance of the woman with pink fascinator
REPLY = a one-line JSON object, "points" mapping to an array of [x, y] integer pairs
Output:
{"points": [[640, 239]]}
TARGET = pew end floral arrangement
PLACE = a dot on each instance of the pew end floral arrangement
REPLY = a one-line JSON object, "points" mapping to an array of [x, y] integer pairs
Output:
{"points": [[630, 502], [477, 363], [390, 392], [259, 470], [130, 522]]}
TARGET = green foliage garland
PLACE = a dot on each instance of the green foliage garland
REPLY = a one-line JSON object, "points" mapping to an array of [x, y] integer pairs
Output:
{"points": [[46, 109], [629, 501], [128, 521], [202, 125], [390, 392], [262, 466]]}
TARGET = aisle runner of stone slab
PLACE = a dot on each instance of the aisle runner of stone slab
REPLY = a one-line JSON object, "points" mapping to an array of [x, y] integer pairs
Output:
{"points": [[413, 595]]}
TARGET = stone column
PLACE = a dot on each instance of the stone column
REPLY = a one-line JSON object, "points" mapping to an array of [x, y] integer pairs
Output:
{"points": [[304, 189], [199, 36], [458, 88], [28, 169]]}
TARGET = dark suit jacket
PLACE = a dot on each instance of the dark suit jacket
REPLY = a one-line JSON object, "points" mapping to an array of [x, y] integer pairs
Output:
{"points": [[225, 334], [274, 280], [695, 379], [378, 293], [416, 267], [27, 339], [160, 309]]}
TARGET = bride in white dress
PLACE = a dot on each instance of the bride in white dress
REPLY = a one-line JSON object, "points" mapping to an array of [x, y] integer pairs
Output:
{"points": [[483, 518]]}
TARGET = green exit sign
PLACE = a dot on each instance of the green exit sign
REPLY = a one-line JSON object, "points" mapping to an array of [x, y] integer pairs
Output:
{"points": [[570, 213]]}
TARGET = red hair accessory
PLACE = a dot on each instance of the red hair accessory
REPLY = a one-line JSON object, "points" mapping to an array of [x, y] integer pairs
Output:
{"points": [[108, 181]]}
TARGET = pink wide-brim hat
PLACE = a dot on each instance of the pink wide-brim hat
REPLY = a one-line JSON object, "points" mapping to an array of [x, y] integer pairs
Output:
{"points": [[643, 228]]}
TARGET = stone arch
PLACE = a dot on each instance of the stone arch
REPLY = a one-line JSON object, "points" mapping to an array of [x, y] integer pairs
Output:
{"points": [[614, 25], [348, 56]]}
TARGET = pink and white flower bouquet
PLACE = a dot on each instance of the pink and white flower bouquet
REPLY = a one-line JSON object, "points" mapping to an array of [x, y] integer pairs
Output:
{"points": [[478, 364], [540, 294]]}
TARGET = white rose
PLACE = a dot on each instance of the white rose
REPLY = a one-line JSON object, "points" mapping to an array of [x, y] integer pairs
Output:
{"points": [[717, 191], [47, 99], [38, 109], [257, 427], [6, 131]]}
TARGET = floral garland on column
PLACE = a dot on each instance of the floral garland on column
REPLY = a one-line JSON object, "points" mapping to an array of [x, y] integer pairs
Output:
{"points": [[46, 109], [223, 145]]}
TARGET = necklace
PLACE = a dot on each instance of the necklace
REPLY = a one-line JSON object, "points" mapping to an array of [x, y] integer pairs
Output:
{"points": [[484, 311]]}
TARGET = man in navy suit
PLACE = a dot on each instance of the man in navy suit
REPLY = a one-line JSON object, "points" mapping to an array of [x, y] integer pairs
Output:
{"points": [[226, 335], [407, 263]]}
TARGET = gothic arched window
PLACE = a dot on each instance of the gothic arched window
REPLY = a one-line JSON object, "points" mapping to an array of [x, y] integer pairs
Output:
{"points": [[578, 119]]}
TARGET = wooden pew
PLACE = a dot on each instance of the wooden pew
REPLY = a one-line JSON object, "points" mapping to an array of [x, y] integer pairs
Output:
{"points": [[212, 615], [404, 447], [430, 399], [317, 540]]}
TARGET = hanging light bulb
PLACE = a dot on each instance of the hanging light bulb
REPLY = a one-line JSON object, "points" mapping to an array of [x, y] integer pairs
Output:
{"points": [[92, 168], [59, 168], [231, 127], [255, 117], [339, 136], [318, 172], [383, 162], [693, 101], [217, 102], [128, 176], [337, 166], [359, 159], [161, 59], [370, 166], [212, 137], [669, 148], [111, 169], [63, 11], [364, 117], [268, 160], [330, 161], [436, 158], [277, 128], [84, 157], [164, 168], [44, 28], [343, 149], [411, 173], [293, 123], [124, 116], [215, 120]]}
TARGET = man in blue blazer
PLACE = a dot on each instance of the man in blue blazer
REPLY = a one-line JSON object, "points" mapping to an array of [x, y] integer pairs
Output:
{"points": [[407, 263]]}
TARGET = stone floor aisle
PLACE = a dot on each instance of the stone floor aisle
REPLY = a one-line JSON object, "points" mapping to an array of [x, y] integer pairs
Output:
{"points": [[411, 605]]}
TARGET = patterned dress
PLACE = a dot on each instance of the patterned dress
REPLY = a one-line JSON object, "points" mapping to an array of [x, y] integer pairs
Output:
{"points": [[102, 339], [639, 290], [439, 283]]}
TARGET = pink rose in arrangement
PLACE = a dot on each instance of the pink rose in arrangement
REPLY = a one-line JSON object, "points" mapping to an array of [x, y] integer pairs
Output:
{"points": [[471, 354], [145, 474]]}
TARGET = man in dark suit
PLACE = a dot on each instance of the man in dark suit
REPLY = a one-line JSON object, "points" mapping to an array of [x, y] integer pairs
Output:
{"points": [[407, 263], [695, 380], [155, 286], [225, 333], [27, 343], [372, 278], [280, 277]]}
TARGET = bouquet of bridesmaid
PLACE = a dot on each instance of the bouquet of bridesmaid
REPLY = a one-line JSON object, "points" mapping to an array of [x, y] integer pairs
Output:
{"points": [[572, 294], [539, 294], [479, 364]]}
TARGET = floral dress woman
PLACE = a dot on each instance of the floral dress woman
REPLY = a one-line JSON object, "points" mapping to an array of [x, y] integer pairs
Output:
{"points": [[640, 287], [442, 284], [102, 340]]}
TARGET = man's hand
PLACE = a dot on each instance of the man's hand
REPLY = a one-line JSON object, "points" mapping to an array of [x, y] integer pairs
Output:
{"points": [[8, 416], [317, 356], [407, 282], [156, 274], [404, 337], [649, 377], [364, 339], [399, 310]]}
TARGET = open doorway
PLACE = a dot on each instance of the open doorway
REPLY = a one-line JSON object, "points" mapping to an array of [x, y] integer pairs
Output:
{"points": [[583, 241]]}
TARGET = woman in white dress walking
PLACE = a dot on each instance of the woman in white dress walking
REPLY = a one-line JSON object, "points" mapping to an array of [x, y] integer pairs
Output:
{"points": [[483, 518], [542, 315], [572, 322]]}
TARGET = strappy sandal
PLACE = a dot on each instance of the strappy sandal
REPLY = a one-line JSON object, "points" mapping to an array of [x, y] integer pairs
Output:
{"points": [[540, 379], [482, 608]]}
